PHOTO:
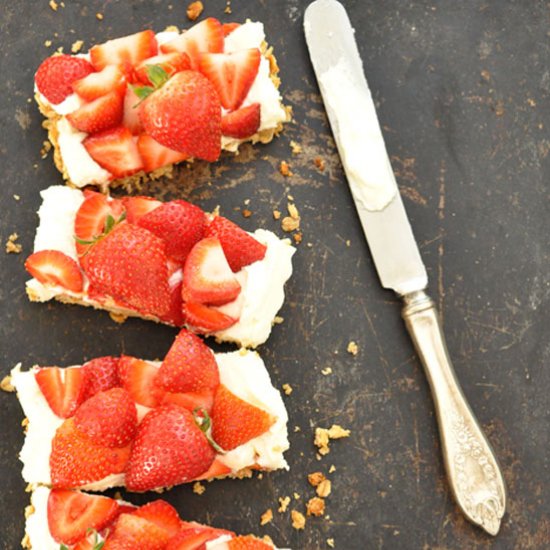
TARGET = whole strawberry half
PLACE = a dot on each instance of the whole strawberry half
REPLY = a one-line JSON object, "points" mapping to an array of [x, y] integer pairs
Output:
{"points": [[129, 264], [185, 115], [189, 366], [169, 449]]}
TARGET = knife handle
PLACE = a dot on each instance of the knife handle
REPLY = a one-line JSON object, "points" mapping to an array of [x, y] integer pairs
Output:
{"points": [[472, 468]]}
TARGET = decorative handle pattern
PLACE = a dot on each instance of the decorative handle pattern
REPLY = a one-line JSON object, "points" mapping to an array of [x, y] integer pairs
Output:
{"points": [[472, 468]]}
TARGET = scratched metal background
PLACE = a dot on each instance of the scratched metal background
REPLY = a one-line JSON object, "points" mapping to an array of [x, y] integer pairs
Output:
{"points": [[463, 95]]}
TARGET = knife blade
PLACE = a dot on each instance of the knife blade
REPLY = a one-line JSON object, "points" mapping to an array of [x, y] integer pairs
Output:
{"points": [[472, 468]]}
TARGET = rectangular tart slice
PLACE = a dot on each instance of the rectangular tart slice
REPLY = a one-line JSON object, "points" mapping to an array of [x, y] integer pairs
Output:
{"points": [[71, 520], [132, 107], [168, 262], [146, 425]]}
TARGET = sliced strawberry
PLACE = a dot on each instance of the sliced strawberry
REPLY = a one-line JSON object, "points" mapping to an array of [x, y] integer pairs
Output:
{"points": [[71, 514], [130, 118], [195, 537], [101, 374], [231, 73], [207, 277], [162, 514], [179, 224], [189, 366], [63, 389], [138, 378], [130, 265], [218, 469], [75, 460], [109, 79], [116, 151], [174, 316], [100, 114], [171, 63], [235, 421], [248, 542], [108, 418], [204, 319], [191, 401], [52, 267], [243, 122], [154, 155], [130, 50], [132, 532], [136, 207], [206, 36], [228, 28], [56, 74], [185, 115], [240, 248], [169, 449]]}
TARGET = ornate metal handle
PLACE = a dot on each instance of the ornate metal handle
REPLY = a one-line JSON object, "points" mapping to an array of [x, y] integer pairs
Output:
{"points": [[472, 468]]}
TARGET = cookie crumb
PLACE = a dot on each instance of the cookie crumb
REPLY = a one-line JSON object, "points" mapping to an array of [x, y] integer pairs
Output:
{"points": [[292, 221], [295, 147], [297, 238], [266, 517], [46, 148], [352, 348], [337, 432], [284, 502], [13, 247], [348, 243], [194, 9], [319, 163], [326, 371], [315, 507], [117, 317], [246, 213], [77, 46], [276, 214], [332, 469], [227, 7], [48, 43], [296, 496], [198, 488], [277, 320], [298, 519], [285, 170], [287, 388], [323, 436], [316, 478], [53, 5], [297, 429], [330, 542], [6, 384], [99, 16], [324, 488]]}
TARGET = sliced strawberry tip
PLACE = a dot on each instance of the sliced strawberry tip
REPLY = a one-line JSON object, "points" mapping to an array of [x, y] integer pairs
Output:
{"points": [[63, 389], [162, 514], [52, 267], [100, 114], [137, 207], [154, 155], [204, 319], [130, 118], [242, 123]]}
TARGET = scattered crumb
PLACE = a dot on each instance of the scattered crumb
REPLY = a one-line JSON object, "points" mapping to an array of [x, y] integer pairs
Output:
{"points": [[531, 102], [288, 224], [53, 5], [247, 201], [337, 432], [227, 7], [17, 197], [332, 469], [29, 511], [293, 211], [287, 388], [198, 488], [320, 163], [486, 75], [117, 317], [298, 519], [25, 423], [246, 213], [46, 148], [277, 320], [315, 506], [295, 147], [60, 49], [316, 478], [77, 46], [260, 475], [99, 16], [297, 238], [194, 9], [330, 542], [296, 496], [352, 348], [284, 502], [324, 488], [266, 517], [48, 43], [323, 436], [499, 107], [297, 429], [284, 168], [6, 384], [290, 197], [11, 246], [326, 371], [276, 214]]}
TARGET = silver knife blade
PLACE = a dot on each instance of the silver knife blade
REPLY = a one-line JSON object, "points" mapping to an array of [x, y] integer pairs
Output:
{"points": [[352, 116]]}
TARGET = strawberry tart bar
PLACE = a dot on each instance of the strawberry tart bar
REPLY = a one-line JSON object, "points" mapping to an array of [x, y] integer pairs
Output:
{"points": [[145, 425], [165, 261], [71, 520], [132, 107]]}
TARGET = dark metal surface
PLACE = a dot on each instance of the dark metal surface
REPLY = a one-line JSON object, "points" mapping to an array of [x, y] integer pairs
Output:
{"points": [[463, 96]]}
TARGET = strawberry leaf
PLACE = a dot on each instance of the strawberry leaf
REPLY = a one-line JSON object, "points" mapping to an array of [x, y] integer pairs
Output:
{"points": [[157, 76], [204, 422]]}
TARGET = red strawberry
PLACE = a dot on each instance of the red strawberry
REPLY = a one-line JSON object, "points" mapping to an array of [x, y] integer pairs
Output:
{"points": [[171, 63], [110, 79], [235, 421], [100, 114], [228, 28], [56, 74], [130, 118], [174, 316], [191, 401], [248, 543], [162, 514], [185, 115], [116, 151], [169, 449], [179, 224], [136, 207], [101, 374], [231, 73], [195, 537], [155, 155], [52, 267], [71, 514], [218, 469], [129, 264], [108, 418], [189, 366], [63, 389], [75, 459], [204, 319], [240, 248], [132, 532], [137, 377], [207, 277], [127, 50], [243, 122], [206, 36]]}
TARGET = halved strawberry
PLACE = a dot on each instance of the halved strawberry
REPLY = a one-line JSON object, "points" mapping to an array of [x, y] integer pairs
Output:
{"points": [[130, 50], [228, 28], [231, 73], [171, 63], [169, 449], [191, 400], [130, 118], [189, 366], [71, 514], [137, 207], [162, 514], [76, 460], [206, 36], [243, 122], [116, 151], [235, 421], [179, 224], [52, 267], [138, 378], [204, 319], [101, 374], [132, 532], [63, 389], [195, 537], [154, 155], [56, 74], [217, 469], [109, 79], [240, 248], [248, 542], [207, 277], [100, 114]]}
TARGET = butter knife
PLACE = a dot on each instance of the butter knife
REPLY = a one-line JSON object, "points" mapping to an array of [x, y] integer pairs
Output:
{"points": [[472, 468]]}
